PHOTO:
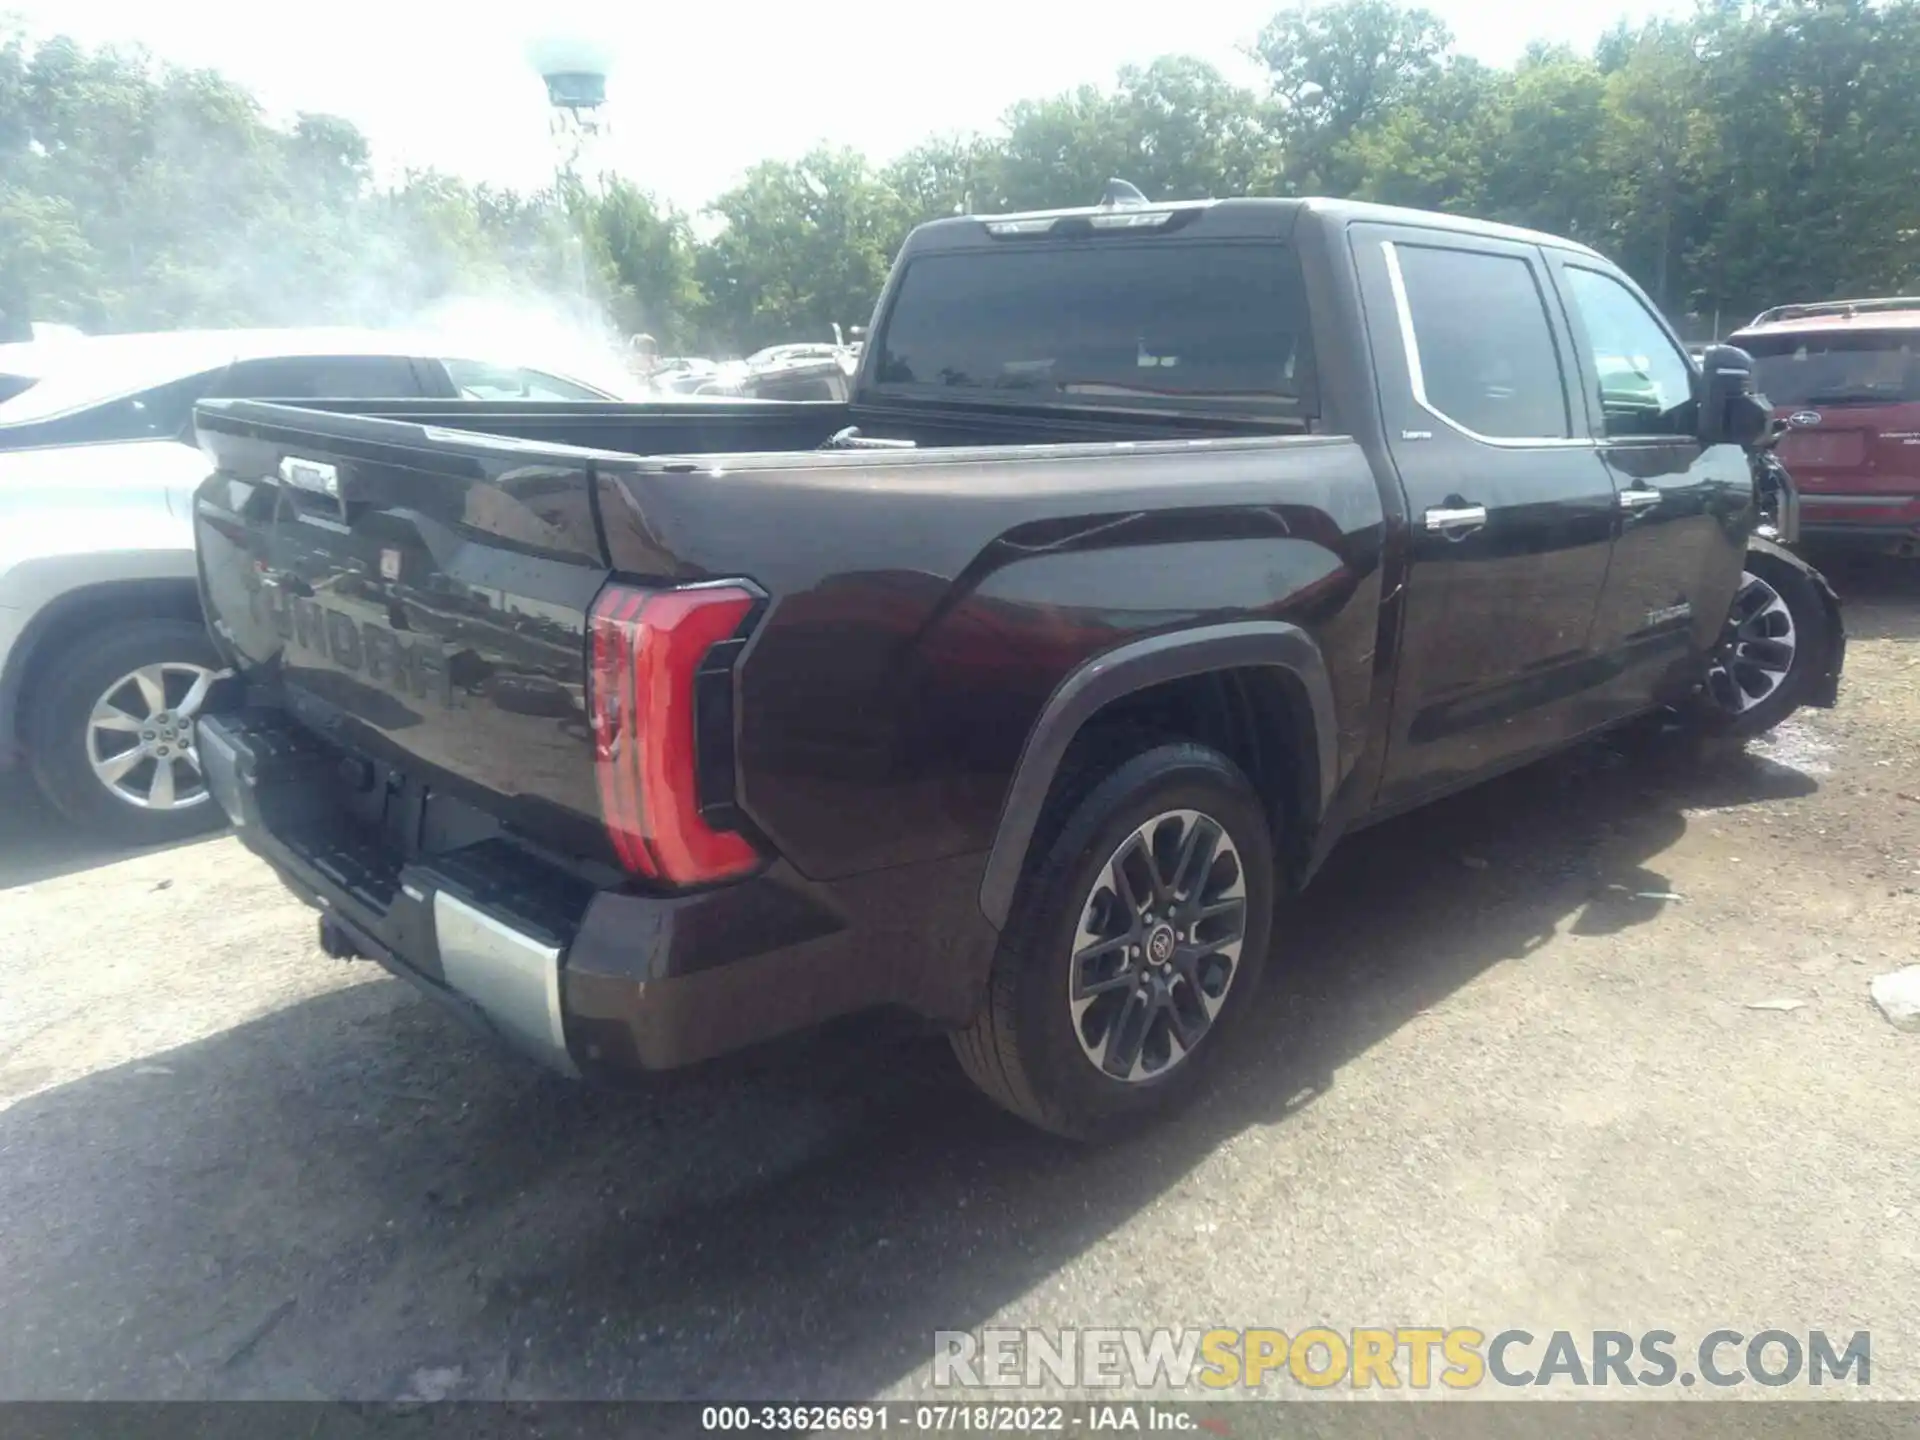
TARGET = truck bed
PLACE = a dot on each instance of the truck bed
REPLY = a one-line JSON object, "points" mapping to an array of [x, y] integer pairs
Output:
{"points": [[421, 612], [493, 549]]}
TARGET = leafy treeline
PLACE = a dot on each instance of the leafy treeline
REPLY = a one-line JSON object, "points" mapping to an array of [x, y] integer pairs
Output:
{"points": [[1759, 151]]}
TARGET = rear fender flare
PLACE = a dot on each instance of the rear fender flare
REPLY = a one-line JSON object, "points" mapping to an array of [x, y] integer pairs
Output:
{"points": [[1123, 671]]}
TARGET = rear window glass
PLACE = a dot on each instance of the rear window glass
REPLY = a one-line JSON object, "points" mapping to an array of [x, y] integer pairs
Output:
{"points": [[1197, 326], [1862, 369]]}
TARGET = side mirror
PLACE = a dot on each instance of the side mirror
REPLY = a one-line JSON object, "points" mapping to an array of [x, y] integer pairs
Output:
{"points": [[1732, 412]]}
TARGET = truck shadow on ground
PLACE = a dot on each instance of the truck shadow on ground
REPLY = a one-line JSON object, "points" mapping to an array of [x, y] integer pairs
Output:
{"points": [[332, 1199], [38, 844]]}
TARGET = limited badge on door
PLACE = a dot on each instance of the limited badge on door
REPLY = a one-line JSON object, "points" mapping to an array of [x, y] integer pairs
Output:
{"points": [[1666, 615]]}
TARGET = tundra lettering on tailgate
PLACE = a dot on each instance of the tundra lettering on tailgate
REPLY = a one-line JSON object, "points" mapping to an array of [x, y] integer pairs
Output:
{"points": [[412, 665]]}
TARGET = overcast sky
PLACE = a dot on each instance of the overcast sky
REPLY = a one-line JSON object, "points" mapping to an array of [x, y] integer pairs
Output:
{"points": [[700, 90]]}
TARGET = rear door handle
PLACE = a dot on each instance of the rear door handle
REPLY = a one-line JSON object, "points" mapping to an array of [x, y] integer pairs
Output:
{"points": [[1460, 517], [1638, 499]]}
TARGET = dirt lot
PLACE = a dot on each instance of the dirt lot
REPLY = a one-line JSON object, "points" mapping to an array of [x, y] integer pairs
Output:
{"points": [[1490, 1087]]}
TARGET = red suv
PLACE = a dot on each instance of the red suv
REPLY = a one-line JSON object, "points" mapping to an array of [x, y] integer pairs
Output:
{"points": [[1846, 378]]}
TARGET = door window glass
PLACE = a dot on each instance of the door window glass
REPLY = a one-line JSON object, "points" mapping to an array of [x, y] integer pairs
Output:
{"points": [[1646, 384], [160, 412], [1484, 356], [322, 377]]}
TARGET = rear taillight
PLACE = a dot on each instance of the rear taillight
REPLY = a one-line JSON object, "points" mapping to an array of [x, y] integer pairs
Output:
{"points": [[647, 646]]}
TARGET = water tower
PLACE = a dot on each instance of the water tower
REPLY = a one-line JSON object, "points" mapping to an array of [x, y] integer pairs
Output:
{"points": [[574, 69]]}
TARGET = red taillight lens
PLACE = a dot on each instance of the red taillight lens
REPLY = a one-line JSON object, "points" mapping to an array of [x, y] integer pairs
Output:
{"points": [[646, 647]]}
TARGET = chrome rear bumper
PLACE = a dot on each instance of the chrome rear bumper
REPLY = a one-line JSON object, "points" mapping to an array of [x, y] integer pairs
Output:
{"points": [[511, 976]]}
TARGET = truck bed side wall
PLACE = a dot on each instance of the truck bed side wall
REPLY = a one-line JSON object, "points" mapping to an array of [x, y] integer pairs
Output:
{"points": [[882, 711], [663, 428]]}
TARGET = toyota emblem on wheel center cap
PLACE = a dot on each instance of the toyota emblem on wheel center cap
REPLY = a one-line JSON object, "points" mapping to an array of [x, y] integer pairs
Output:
{"points": [[1160, 944]]}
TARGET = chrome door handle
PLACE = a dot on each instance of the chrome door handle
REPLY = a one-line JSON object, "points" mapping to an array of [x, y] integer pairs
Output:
{"points": [[1457, 518], [1638, 499]]}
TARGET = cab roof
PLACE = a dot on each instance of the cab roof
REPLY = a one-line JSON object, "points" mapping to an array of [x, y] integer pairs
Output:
{"points": [[1253, 217]]}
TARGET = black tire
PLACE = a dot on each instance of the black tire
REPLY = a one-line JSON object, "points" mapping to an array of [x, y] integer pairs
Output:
{"points": [[59, 708], [1715, 710], [1025, 1049]]}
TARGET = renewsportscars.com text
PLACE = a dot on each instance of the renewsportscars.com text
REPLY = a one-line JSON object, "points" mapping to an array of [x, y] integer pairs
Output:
{"points": [[1400, 1357]]}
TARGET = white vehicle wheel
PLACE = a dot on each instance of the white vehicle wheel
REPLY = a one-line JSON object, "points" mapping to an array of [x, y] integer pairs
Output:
{"points": [[110, 730]]}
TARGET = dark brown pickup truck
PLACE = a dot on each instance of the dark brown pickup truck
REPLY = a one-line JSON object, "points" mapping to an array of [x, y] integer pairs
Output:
{"points": [[1159, 547]]}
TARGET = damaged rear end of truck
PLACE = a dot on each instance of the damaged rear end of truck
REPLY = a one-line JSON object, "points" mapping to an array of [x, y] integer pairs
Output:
{"points": [[465, 742], [496, 768]]}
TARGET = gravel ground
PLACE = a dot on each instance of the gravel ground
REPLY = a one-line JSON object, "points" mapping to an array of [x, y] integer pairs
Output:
{"points": [[1491, 1086]]}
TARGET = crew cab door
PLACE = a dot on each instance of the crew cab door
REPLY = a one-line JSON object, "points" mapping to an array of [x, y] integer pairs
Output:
{"points": [[1683, 508], [1510, 506]]}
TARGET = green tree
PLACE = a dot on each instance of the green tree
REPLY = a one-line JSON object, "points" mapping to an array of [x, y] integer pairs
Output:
{"points": [[806, 245], [650, 253], [1655, 142], [1435, 150], [1753, 152], [49, 264], [1334, 69], [1817, 121], [949, 175], [1176, 128], [1545, 161]]}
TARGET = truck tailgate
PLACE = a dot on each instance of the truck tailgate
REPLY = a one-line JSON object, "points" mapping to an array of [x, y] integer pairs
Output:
{"points": [[416, 595]]}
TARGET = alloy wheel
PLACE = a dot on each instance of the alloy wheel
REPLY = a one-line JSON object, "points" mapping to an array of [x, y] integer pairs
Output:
{"points": [[1158, 945], [1756, 650], [140, 736]]}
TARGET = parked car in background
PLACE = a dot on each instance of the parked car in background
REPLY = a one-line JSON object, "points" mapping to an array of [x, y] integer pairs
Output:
{"points": [[797, 370], [1845, 377], [802, 377], [688, 375], [104, 657], [785, 354]]}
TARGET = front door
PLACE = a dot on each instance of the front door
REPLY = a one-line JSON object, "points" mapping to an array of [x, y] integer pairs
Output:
{"points": [[1510, 506], [1684, 508]]}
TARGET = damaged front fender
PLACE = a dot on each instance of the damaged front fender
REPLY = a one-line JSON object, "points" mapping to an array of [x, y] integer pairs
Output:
{"points": [[1825, 691]]}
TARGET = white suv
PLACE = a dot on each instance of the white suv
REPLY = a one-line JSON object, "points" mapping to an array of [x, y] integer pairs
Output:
{"points": [[104, 659]]}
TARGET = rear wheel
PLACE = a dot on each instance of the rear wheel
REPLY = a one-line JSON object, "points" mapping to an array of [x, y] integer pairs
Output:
{"points": [[111, 737], [1772, 651], [1135, 943]]}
